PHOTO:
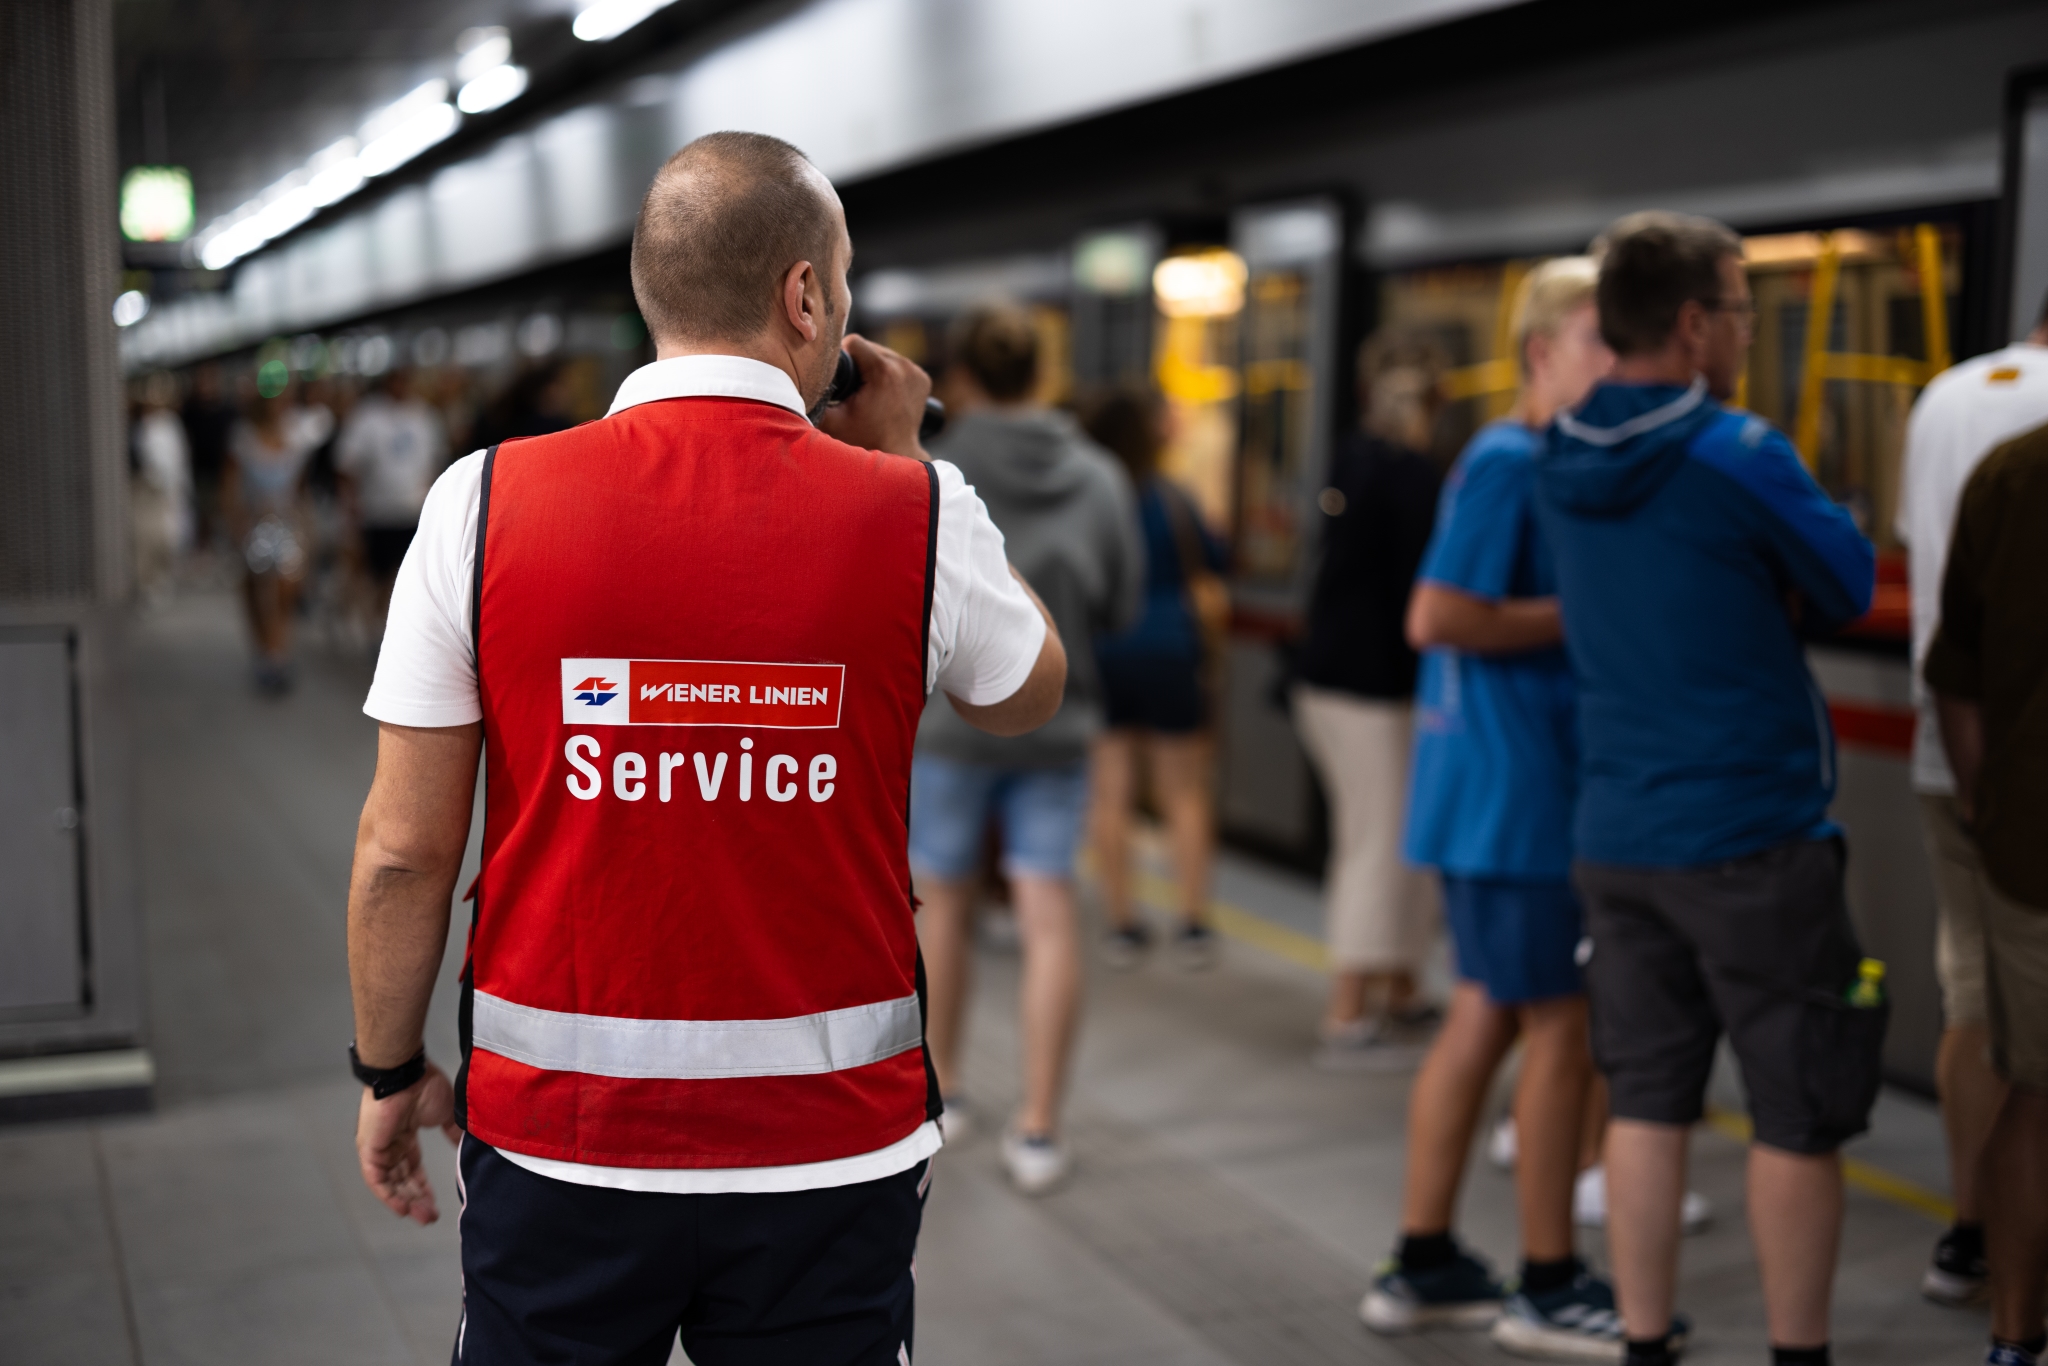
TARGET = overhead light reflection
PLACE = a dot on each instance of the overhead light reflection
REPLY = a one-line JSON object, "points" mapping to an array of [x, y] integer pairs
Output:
{"points": [[130, 308], [609, 18]]}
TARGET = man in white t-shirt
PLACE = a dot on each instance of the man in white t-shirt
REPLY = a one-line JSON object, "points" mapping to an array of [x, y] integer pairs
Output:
{"points": [[694, 1094], [1959, 418], [391, 449]]}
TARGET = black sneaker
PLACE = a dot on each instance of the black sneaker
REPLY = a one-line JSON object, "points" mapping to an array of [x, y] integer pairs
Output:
{"points": [[1125, 945], [1460, 1294], [1194, 946], [1957, 1276]]}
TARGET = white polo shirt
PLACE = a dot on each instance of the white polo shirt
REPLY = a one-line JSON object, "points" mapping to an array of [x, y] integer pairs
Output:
{"points": [[985, 635], [1965, 412]]}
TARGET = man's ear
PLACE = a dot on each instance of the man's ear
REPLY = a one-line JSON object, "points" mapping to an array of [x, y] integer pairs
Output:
{"points": [[803, 300]]}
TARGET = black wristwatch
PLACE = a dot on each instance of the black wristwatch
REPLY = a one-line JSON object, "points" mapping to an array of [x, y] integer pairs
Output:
{"points": [[388, 1081]]}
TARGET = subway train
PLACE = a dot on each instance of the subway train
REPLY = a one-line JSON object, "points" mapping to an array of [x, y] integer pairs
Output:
{"points": [[1232, 244]]}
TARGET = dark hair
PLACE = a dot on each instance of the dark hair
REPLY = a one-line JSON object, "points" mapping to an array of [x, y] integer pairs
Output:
{"points": [[1125, 422], [725, 218], [1651, 264], [998, 344]]}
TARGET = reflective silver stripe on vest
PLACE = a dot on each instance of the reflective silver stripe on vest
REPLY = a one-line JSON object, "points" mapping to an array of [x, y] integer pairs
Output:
{"points": [[683, 1050]]}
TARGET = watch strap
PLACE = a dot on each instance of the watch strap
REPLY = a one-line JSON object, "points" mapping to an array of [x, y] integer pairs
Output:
{"points": [[385, 1082]]}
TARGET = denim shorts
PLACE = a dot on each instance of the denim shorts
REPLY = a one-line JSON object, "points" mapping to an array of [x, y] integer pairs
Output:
{"points": [[1038, 810]]}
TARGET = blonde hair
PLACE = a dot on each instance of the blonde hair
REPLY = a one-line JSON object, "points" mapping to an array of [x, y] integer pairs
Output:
{"points": [[1550, 294]]}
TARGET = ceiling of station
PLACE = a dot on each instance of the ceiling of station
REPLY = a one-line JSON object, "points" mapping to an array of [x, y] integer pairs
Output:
{"points": [[240, 91]]}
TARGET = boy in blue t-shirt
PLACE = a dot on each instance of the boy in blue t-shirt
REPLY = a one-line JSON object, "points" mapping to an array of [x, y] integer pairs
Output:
{"points": [[1491, 810]]}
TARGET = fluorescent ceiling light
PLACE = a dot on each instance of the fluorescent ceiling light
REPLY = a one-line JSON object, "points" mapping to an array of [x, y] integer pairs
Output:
{"points": [[499, 85], [609, 18], [421, 130], [420, 97], [1203, 284], [390, 137], [131, 308], [336, 173], [481, 49]]}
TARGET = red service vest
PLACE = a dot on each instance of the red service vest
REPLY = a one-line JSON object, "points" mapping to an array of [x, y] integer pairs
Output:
{"points": [[701, 633]]}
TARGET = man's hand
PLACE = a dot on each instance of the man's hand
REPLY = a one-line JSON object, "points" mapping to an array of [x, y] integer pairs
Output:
{"points": [[408, 851], [886, 411], [388, 1143]]}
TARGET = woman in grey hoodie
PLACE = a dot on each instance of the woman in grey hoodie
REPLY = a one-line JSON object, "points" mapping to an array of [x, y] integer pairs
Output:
{"points": [[1068, 519]]}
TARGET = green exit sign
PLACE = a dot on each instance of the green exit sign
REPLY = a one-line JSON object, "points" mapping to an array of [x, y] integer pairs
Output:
{"points": [[156, 204]]}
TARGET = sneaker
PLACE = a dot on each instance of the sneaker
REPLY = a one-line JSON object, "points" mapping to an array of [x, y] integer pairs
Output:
{"points": [[1194, 947], [1460, 1294], [1036, 1162], [1126, 945], [955, 1122], [1957, 1276], [1501, 1144], [2010, 1354], [1589, 1203], [1577, 1322]]}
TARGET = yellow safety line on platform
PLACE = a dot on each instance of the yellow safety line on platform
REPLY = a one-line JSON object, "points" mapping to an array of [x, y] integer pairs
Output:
{"points": [[1864, 1177], [1239, 924], [1296, 947]]}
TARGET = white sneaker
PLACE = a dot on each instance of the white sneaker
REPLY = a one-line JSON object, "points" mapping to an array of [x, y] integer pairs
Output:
{"points": [[1589, 1203], [956, 1123], [1036, 1163], [1501, 1145]]}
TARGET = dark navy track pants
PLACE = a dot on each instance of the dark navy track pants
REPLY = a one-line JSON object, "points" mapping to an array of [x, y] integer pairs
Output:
{"points": [[560, 1274]]}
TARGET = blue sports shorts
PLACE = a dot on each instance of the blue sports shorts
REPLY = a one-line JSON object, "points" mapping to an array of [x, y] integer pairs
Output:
{"points": [[1040, 811], [1519, 940]]}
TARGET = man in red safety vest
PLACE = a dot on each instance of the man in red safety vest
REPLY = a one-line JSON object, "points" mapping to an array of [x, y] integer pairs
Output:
{"points": [[692, 641]]}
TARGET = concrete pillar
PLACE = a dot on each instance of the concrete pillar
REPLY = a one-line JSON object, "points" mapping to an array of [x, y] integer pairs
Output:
{"points": [[70, 964]]}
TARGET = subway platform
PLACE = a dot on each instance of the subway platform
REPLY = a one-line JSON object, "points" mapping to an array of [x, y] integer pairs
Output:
{"points": [[1228, 1203]]}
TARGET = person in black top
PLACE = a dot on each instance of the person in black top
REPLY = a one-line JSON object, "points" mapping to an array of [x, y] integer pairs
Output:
{"points": [[1355, 680], [210, 417]]}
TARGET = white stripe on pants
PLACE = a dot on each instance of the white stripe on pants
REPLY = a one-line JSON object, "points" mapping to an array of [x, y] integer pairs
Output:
{"points": [[1380, 912]]}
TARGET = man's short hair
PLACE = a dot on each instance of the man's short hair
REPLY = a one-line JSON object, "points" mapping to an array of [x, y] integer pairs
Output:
{"points": [[998, 345], [724, 220], [1651, 263]]}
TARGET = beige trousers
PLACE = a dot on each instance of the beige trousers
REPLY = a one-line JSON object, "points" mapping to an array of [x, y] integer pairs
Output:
{"points": [[1380, 912]]}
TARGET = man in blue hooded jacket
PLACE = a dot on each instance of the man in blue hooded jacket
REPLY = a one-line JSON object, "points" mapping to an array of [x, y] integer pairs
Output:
{"points": [[1693, 555]]}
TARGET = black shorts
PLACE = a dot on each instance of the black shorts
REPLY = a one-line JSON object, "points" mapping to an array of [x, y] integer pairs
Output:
{"points": [[384, 549], [1157, 692], [562, 1273], [1760, 946]]}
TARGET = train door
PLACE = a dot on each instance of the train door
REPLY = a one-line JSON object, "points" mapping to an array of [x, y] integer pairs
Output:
{"points": [[1292, 259]]}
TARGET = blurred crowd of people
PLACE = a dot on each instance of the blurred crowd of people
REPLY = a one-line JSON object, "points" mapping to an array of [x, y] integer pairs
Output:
{"points": [[305, 490]]}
